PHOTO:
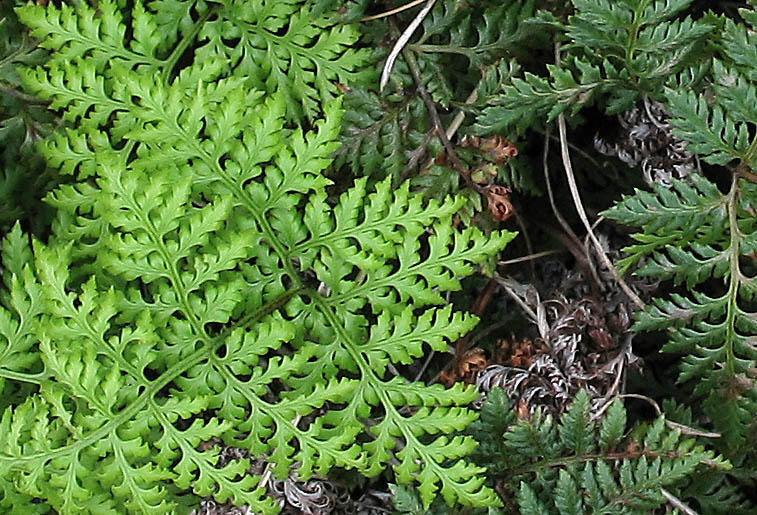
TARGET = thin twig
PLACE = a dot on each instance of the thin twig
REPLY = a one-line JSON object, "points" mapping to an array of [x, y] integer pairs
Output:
{"points": [[578, 250], [677, 503], [460, 116], [545, 166], [565, 154], [510, 285], [424, 367], [686, 430], [573, 147], [437, 123], [570, 235], [393, 11], [10, 91], [451, 130], [582, 215], [402, 41], [528, 258]]}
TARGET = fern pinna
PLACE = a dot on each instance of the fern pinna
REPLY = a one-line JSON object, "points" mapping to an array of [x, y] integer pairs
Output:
{"points": [[200, 283]]}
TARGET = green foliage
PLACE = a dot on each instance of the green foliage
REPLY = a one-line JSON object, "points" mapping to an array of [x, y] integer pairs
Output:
{"points": [[458, 50], [580, 466], [205, 281], [699, 234], [200, 283], [615, 53], [696, 235], [23, 121]]}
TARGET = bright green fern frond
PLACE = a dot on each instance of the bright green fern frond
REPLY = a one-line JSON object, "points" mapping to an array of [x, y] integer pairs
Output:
{"points": [[98, 33], [22, 304], [201, 286], [279, 46]]}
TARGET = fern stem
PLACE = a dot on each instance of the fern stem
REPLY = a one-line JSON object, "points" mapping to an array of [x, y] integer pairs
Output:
{"points": [[179, 50], [633, 34], [150, 390], [12, 92], [437, 122], [22, 377], [734, 275], [269, 308], [124, 416]]}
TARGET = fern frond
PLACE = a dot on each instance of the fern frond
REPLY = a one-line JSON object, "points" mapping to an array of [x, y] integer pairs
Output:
{"points": [[712, 330], [22, 305], [575, 466], [279, 46], [378, 132], [693, 211], [97, 33], [215, 293], [23, 177], [525, 101], [479, 35], [711, 244], [617, 52]]}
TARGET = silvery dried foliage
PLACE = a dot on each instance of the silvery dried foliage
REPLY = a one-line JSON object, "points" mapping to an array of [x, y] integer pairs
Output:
{"points": [[210, 507], [577, 352], [313, 497], [646, 140], [583, 339]]}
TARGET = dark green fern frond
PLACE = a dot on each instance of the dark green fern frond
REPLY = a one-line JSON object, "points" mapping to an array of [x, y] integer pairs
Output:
{"points": [[480, 33], [578, 466], [693, 233], [24, 120], [715, 239], [616, 52], [459, 48], [380, 132]]}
